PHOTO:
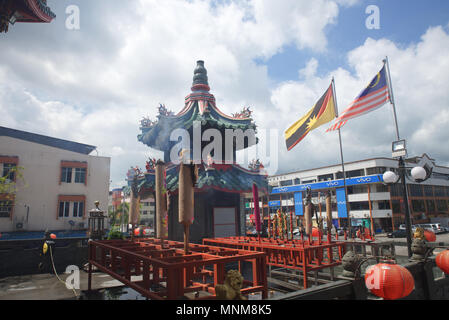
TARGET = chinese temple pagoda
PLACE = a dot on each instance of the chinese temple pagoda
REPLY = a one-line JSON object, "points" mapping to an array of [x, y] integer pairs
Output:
{"points": [[12, 11], [218, 203]]}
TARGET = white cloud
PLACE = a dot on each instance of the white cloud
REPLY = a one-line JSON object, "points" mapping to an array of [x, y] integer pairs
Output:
{"points": [[93, 85], [419, 77]]}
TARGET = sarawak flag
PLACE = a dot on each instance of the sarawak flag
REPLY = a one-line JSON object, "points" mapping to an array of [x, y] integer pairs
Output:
{"points": [[322, 112], [374, 96]]}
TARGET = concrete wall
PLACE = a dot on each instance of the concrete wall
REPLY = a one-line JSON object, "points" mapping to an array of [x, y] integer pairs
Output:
{"points": [[22, 257], [40, 191]]}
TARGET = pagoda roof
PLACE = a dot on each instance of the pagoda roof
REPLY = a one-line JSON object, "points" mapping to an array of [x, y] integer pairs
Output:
{"points": [[221, 177], [34, 11], [199, 106]]}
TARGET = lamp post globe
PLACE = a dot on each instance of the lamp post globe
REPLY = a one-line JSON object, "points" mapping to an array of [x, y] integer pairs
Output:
{"points": [[390, 177], [419, 174]]}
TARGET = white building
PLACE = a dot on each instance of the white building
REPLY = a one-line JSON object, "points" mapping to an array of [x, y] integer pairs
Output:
{"points": [[61, 181], [147, 211], [370, 200]]}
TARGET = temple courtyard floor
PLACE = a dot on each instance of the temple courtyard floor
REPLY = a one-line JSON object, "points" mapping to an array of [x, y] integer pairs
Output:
{"points": [[48, 287]]}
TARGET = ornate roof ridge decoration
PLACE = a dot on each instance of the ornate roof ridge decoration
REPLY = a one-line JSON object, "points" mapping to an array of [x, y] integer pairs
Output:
{"points": [[225, 177], [163, 111], [150, 165], [134, 173], [244, 114]]}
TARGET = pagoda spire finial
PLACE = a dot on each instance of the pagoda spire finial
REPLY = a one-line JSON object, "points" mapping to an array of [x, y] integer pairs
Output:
{"points": [[200, 77]]}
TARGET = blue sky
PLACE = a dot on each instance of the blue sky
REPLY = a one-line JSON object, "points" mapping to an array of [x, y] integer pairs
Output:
{"points": [[404, 22], [93, 85]]}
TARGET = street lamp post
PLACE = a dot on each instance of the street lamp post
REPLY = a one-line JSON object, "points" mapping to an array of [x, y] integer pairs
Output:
{"points": [[419, 174]]}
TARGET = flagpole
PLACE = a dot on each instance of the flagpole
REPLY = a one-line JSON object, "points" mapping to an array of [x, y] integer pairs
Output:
{"points": [[341, 155], [401, 167], [390, 90]]}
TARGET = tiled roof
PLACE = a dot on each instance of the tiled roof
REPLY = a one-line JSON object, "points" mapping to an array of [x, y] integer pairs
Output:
{"points": [[48, 141], [229, 178]]}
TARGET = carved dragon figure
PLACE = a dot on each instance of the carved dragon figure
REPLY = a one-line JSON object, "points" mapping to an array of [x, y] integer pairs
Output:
{"points": [[245, 113], [164, 111], [151, 164], [255, 165]]}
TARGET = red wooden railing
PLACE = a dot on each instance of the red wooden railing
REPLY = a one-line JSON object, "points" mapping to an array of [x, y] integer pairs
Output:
{"points": [[291, 254], [168, 273]]}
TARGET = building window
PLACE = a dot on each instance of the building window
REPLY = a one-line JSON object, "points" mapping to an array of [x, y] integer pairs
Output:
{"points": [[428, 191], [78, 209], [430, 206], [297, 181], [76, 168], [326, 177], [66, 175], [357, 189], [8, 171], [145, 212], [6, 208], [359, 205], [415, 190], [439, 191], [308, 181], [355, 173], [376, 170], [396, 206], [418, 206], [80, 175], [442, 206], [286, 183], [381, 188], [384, 205], [64, 207], [397, 190]]}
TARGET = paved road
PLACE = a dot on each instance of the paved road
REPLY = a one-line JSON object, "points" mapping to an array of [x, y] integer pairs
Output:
{"points": [[401, 250]]}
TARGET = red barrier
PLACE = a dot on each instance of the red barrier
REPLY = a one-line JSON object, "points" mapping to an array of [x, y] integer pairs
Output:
{"points": [[291, 254], [168, 273]]}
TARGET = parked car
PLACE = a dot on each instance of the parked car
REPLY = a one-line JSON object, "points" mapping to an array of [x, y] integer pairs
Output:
{"points": [[437, 228], [434, 227], [402, 227], [397, 234]]}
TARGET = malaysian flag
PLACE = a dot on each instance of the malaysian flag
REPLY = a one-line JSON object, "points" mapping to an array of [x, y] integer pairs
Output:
{"points": [[375, 95]]}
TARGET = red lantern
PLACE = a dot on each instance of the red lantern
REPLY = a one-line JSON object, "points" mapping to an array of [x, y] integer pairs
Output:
{"points": [[442, 261], [137, 232], [430, 236], [389, 281], [53, 236]]}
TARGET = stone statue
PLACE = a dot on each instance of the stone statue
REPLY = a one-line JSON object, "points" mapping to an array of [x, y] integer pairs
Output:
{"points": [[230, 290], [419, 245], [351, 263]]}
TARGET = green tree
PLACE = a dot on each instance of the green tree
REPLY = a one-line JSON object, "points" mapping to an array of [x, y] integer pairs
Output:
{"points": [[119, 215], [9, 186]]}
